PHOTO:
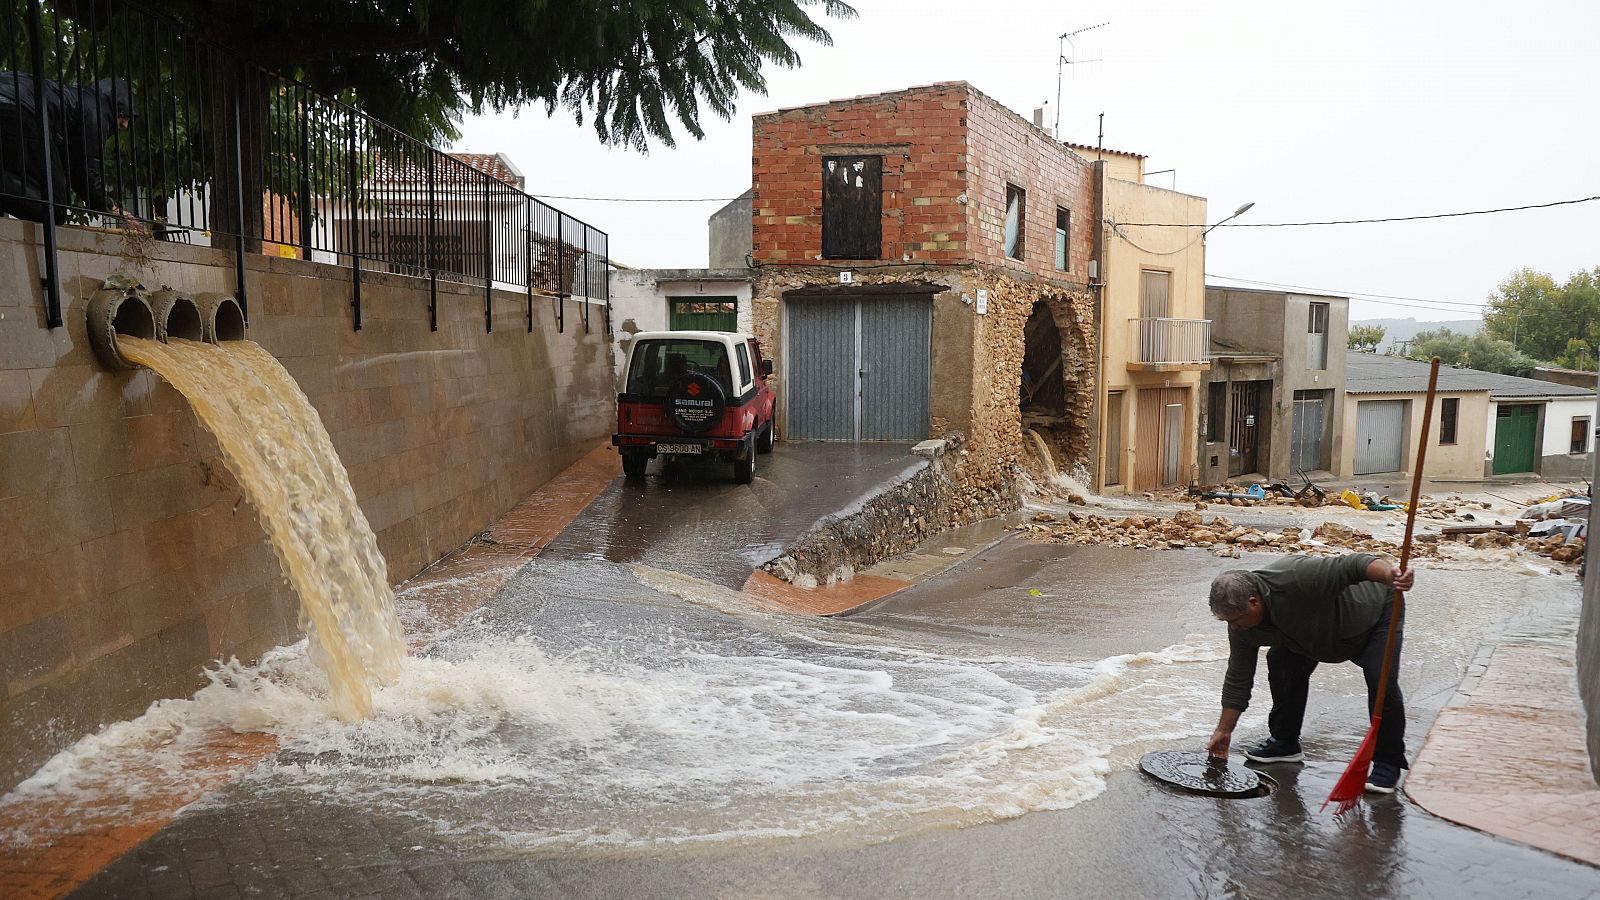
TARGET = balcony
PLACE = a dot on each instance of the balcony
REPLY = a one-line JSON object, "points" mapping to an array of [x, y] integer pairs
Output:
{"points": [[1169, 345]]}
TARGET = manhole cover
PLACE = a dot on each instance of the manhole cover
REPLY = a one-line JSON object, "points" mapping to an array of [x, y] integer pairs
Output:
{"points": [[1200, 774]]}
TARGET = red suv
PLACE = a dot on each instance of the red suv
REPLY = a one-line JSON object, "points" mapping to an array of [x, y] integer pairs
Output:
{"points": [[694, 394]]}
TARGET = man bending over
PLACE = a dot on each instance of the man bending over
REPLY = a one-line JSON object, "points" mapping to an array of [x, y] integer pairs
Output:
{"points": [[1310, 610]]}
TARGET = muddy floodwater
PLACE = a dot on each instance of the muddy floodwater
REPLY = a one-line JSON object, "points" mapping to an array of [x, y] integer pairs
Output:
{"points": [[611, 729]]}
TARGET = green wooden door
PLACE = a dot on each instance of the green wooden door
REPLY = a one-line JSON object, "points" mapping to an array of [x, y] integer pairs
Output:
{"points": [[704, 314], [1515, 431]]}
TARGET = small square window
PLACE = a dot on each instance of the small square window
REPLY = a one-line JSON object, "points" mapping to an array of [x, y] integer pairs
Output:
{"points": [[1016, 211], [1580, 435], [1063, 231]]}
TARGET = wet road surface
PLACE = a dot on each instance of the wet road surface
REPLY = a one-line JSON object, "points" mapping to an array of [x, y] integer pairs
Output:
{"points": [[603, 730], [696, 522]]}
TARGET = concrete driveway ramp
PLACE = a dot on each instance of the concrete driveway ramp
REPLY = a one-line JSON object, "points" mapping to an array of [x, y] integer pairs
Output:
{"points": [[1198, 773]]}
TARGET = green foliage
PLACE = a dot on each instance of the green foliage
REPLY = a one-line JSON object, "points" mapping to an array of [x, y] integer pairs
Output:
{"points": [[1546, 320], [1366, 338], [635, 69], [1474, 351]]}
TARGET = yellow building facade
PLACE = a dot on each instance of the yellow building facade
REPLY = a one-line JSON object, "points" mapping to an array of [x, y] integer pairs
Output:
{"points": [[1154, 337]]}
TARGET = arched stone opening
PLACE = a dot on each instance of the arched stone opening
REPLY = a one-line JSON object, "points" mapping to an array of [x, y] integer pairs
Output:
{"points": [[1044, 389]]}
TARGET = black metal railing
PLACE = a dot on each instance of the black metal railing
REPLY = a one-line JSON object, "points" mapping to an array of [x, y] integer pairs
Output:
{"points": [[115, 115]]}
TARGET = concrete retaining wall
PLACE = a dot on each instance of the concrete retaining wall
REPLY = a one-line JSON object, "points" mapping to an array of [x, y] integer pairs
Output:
{"points": [[128, 559]]}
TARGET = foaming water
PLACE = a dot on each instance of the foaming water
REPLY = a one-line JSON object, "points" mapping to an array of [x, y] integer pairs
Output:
{"points": [[565, 717], [276, 446], [669, 725]]}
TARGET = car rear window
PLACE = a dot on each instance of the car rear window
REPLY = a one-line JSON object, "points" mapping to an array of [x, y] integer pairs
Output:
{"points": [[658, 363]]}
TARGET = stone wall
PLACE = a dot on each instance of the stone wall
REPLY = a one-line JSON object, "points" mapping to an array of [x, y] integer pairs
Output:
{"points": [[128, 559], [899, 518], [976, 364]]}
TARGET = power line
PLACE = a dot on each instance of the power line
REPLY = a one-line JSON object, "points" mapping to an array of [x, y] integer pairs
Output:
{"points": [[1449, 215], [1342, 293]]}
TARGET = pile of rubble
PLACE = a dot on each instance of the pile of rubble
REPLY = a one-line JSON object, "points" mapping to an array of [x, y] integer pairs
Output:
{"points": [[1449, 508], [1188, 529], [1556, 546]]}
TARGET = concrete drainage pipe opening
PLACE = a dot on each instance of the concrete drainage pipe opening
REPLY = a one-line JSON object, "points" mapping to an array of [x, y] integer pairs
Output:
{"points": [[115, 312], [221, 317], [177, 316]]}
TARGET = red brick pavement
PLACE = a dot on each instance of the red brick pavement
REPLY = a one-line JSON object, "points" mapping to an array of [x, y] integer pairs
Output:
{"points": [[1510, 759]]}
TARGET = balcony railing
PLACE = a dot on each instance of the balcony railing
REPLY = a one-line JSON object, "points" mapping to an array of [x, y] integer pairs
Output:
{"points": [[1167, 345]]}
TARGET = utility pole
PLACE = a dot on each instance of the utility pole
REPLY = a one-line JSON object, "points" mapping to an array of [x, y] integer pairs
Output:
{"points": [[1062, 62]]}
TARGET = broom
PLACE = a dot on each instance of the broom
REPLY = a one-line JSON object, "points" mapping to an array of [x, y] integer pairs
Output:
{"points": [[1347, 791]]}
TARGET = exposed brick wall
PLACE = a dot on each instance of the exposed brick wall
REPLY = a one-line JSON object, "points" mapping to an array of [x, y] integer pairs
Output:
{"points": [[921, 134], [1003, 147], [948, 152]]}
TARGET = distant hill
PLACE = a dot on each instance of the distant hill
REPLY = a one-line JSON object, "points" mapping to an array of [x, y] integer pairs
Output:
{"points": [[1406, 329]]}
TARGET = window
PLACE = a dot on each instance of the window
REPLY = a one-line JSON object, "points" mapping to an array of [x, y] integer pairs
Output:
{"points": [[1155, 294], [1580, 435], [1016, 210], [744, 364], [852, 207], [1063, 231], [656, 365], [1317, 337], [1216, 409], [1449, 409]]}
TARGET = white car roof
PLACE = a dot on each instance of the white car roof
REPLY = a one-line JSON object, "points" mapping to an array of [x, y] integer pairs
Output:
{"points": [[719, 336]]}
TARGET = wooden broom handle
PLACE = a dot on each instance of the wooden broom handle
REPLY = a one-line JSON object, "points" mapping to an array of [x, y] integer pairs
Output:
{"points": [[1405, 545]]}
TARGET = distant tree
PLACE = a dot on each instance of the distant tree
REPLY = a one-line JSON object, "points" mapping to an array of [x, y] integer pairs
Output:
{"points": [[1475, 351], [1365, 338], [1541, 317]]}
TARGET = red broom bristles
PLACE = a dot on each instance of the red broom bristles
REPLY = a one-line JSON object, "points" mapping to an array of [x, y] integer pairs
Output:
{"points": [[1348, 789]]}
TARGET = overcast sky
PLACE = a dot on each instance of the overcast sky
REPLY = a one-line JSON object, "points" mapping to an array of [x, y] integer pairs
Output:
{"points": [[1312, 111]]}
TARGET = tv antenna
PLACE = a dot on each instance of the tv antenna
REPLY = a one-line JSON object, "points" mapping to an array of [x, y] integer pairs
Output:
{"points": [[1062, 43]]}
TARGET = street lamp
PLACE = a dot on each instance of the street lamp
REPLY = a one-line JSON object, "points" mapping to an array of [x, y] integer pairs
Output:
{"points": [[1236, 214]]}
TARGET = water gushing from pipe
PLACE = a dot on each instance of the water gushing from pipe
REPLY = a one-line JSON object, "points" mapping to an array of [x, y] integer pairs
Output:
{"points": [[275, 444]]}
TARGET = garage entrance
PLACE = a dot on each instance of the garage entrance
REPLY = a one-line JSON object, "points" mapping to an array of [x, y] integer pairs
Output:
{"points": [[1516, 429], [857, 367], [1379, 426]]}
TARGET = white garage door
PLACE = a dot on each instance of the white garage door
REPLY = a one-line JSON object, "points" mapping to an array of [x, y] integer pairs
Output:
{"points": [[1379, 427]]}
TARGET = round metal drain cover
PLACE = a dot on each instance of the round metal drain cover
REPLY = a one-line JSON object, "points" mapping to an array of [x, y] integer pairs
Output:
{"points": [[1201, 774]]}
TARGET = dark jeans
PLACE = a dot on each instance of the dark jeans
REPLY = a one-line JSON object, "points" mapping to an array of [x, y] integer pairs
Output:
{"points": [[1289, 675]]}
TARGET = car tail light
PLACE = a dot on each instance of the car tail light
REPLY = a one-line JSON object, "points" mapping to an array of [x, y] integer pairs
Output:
{"points": [[633, 440], [721, 444]]}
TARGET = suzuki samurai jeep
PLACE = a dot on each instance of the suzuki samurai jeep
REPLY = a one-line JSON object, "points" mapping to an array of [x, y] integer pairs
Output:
{"points": [[694, 395]]}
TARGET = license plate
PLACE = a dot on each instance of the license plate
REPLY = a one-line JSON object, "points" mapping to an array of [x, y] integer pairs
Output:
{"points": [[678, 448]]}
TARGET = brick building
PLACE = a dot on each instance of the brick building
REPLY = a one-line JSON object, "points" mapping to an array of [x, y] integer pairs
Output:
{"points": [[922, 270]]}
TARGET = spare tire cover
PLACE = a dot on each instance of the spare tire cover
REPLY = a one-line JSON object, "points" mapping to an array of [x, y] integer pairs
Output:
{"points": [[696, 402]]}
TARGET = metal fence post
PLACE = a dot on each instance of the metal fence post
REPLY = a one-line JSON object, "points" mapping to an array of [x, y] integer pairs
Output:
{"points": [[237, 85], [305, 177], [588, 275], [488, 260], [561, 272], [527, 254], [52, 273], [433, 271], [355, 223]]}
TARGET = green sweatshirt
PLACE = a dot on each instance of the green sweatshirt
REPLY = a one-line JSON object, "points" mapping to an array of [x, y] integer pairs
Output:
{"points": [[1321, 607]]}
